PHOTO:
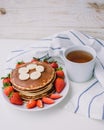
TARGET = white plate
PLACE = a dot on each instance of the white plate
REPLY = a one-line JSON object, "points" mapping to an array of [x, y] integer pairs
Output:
{"points": [[27, 55]]}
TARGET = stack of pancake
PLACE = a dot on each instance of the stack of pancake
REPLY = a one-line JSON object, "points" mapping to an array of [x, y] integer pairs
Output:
{"points": [[34, 88]]}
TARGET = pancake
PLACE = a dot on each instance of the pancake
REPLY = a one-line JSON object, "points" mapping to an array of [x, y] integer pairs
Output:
{"points": [[37, 95], [46, 78], [36, 90]]}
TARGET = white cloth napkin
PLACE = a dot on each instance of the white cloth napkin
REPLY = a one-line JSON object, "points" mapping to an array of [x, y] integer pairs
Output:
{"points": [[86, 98]]}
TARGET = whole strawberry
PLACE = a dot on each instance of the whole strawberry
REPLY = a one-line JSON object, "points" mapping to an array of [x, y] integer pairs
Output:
{"points": [[59, 84], [8, 90], [54, 65], [19, 64], [60, 73], [6, 82], [16, 99]]}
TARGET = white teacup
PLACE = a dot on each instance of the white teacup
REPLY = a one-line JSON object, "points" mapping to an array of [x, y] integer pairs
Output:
{"points": [[80, 62]]}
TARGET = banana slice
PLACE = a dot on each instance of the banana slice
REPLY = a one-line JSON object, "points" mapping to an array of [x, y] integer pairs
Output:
{"points": [[31, 66], [23, 70], [23, 76], [35, 75], [39, 68]]}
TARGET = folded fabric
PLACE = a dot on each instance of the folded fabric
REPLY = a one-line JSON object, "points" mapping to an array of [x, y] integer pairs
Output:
{"points": [[86, 98], [90, 100]]}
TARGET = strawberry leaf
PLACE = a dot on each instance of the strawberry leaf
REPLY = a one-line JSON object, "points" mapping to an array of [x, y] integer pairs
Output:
{"points": [[60, 68], [6, 85]]}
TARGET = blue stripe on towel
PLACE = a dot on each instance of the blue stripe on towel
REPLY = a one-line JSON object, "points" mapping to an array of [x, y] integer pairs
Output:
{"points": [[17, 50], [38, 47], [17, 55], [47, 47], [93, 38], [89, 107], [82, 94], [45, 56], [99, 42], [63, 37], [58, 48], [103, 113], [78, 38]]}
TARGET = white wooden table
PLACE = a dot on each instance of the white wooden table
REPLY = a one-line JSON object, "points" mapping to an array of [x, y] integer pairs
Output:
{"points": [[35, 19]]}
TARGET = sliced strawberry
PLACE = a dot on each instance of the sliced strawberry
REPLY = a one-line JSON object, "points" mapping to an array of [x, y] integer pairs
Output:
{"points": [[47, 100], [60, 73], [16, 99], [8, 90], [55, 96], [39, 103], [59, 84], [31, 104], [54, 65]]}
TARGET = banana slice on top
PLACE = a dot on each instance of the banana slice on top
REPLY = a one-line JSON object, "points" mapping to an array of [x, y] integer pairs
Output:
{"points": [[35, 75], [23, 70], [24, 76], [40, 68], [31, 66]]}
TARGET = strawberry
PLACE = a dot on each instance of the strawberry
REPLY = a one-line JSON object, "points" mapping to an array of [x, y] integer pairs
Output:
{"points": [[54, 65], [59, 84], [34, 60], [55, 96], [19, 64], [15, 98], [8, 90], [60, 73], [39, 103], [48, 100], [31, 104], [6, 82]]}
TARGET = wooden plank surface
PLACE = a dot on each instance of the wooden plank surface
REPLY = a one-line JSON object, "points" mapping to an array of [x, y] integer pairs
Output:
{"points": [[35, 19]]}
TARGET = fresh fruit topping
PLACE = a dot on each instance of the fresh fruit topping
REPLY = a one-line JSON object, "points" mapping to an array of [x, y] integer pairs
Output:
{"points": [[34, 60], [54, 65], [35, 75], [31, 104], [19, 64], [59, 84], [47, 100], [8, 90], [39, 103], [23, 70], [6, 82], [55, 96], [23, 76], [39, 68], [15, 98], [60, 73], [31, 66]]}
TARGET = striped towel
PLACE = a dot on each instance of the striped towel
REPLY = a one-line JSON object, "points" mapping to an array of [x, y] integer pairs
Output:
{"points": [[85, 98], [89, 99]]}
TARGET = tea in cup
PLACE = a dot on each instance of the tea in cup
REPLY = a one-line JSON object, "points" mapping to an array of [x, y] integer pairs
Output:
{"points": [[80, 62]]}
